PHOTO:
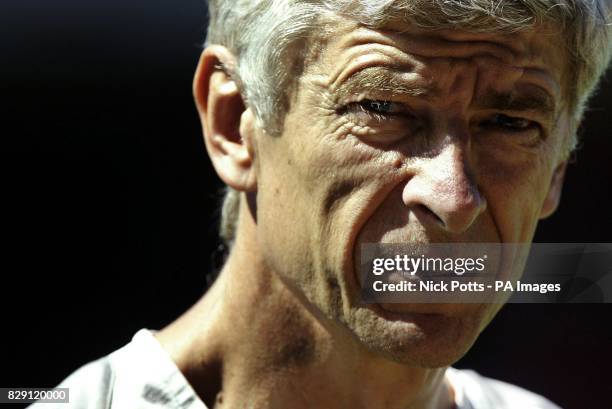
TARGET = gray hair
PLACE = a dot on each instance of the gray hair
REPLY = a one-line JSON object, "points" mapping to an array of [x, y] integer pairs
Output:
{"points": [[261, 32]]}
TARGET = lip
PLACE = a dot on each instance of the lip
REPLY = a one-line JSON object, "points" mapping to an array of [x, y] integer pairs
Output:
{"points": [[426, 322], [410, 312]]}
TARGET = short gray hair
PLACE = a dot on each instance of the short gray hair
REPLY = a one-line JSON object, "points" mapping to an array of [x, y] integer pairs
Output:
{"points": [[261, 32]]}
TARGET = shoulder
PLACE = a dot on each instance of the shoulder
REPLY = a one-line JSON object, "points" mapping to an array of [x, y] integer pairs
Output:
{"points": [[138, 375], [90, 386], [475, 391]]}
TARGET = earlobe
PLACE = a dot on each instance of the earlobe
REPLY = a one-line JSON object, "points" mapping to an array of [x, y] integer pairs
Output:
{"points": [[553, 197], [227, 124]]}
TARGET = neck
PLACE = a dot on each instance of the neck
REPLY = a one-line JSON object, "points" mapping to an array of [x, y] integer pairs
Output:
{"points": [[253, 342]]}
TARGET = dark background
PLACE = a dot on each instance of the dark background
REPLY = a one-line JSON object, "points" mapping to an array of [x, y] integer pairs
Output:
{"points": [[109, 203]]}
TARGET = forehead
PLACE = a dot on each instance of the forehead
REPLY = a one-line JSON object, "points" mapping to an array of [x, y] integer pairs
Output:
{"points": [[347, 47]]}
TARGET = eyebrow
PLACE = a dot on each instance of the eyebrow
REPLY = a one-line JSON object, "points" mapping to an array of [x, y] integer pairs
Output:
{"points": [[535, 100], [389, 80], [381, 79]]}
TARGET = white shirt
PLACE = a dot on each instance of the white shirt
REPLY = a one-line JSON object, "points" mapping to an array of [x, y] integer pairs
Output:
{"points": [[141, 375]]}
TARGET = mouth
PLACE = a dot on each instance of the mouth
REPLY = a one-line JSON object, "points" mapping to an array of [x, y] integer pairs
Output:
{"points": [[421, 321], [411, 312]]}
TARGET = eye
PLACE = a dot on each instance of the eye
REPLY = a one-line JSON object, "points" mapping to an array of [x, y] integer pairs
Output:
{"points": [[381, 118], [380, 107], [510, 124]]}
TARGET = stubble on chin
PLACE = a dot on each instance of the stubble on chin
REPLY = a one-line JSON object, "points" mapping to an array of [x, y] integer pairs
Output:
{"points": [[422, 340]]}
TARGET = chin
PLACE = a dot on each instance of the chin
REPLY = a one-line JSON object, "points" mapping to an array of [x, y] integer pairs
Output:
{"points": [[420, 339]]}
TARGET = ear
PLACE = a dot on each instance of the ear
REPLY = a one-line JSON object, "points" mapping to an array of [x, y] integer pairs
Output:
{"points": [[551, 202], [227, 124]]}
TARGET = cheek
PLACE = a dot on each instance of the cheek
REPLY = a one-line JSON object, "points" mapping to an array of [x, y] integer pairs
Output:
{"points": [[515, 191], [347, 189], [315, 198]]}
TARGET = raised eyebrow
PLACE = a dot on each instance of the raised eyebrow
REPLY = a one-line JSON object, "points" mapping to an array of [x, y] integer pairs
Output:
{"points": [[535, 101], [381, 79]]}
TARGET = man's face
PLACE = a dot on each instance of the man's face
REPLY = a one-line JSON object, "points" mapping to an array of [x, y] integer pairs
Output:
{"points": [[405, 135]]}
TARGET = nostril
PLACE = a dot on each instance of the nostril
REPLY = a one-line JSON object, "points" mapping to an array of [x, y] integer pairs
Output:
{"points": [[429, 213]]}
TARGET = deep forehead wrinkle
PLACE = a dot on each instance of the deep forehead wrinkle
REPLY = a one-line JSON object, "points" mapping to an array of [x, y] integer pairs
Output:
{"points": [[393, 60], [522, 50], [430, 44]]}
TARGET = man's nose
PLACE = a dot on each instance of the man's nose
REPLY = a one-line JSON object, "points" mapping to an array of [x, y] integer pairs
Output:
{"points": [[444, 192]]}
